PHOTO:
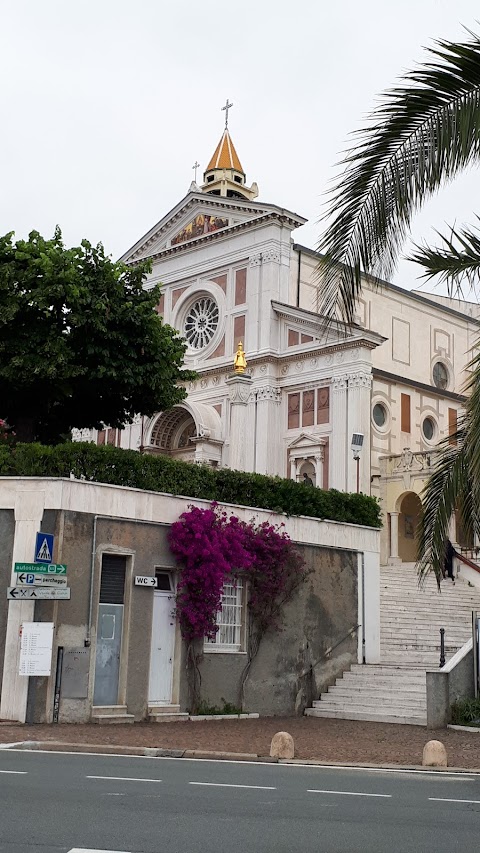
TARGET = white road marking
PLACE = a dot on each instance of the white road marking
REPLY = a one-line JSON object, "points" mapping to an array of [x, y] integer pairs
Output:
{"points": [[225, 785], [120, 779], [91, 850], [16, 772], [349, 793], [446, 800]]}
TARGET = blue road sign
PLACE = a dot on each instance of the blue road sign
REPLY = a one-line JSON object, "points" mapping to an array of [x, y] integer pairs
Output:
{"points": [[44, 548]]}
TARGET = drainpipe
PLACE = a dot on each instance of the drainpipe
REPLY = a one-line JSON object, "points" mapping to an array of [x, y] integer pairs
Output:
{"points": [[298, 276], [363, 609], [88, 638]]}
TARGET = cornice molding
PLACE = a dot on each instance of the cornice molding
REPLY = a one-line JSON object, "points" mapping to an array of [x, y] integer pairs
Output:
{"points": [[286, 360]]}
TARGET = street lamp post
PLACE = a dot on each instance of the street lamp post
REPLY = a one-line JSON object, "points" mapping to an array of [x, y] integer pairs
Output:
{"points": [[357, 444]]}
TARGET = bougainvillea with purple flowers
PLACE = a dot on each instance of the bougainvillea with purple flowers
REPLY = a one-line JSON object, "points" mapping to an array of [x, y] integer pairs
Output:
{"points": [[210, 545], [213, 547]]}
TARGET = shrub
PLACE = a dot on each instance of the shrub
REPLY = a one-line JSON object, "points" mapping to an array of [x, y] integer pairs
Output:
{"points": [[120, 467], [466, 712], [206, 709]]}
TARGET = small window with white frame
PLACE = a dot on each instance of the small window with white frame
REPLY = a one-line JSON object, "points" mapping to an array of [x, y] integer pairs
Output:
{"points": [[229, 637]]}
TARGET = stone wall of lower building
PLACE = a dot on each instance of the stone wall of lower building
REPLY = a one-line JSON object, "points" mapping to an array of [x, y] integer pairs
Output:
{"points": [[291, 668], [93, 523]]}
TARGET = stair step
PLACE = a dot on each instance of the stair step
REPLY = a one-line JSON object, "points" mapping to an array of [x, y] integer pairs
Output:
{"points": [[163, 709], [395, 700], [109, 710], [380, 692], [379, 717], [106, 719], [381, 685], [177, 717]]}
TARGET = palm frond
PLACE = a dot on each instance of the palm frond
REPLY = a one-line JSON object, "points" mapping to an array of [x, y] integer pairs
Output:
{"points": [[454, 485], [425, 132], [457, 261], [440, 498]]}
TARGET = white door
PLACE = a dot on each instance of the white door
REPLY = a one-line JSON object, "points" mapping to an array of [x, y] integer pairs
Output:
{"points": [[162, 649]]}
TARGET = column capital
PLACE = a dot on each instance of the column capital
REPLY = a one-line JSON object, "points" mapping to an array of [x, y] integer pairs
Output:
{"points": [[360, 380], [239, 388], [269, 392], [339, 383], [271, 255]]}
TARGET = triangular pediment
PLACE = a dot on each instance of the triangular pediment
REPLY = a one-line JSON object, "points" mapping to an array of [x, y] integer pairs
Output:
{"points": [[306, 442], [201, 217]]}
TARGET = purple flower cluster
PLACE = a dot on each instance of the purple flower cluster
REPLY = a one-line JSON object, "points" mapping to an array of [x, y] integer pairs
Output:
{"points": [[210, 547], [277, 569], [213, 547]]}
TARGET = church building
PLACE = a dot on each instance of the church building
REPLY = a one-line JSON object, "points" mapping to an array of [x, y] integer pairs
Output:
{"points": [[357, 408]]}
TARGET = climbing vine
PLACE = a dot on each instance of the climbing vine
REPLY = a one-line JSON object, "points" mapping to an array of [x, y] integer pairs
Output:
{"points": [[213, 547]]}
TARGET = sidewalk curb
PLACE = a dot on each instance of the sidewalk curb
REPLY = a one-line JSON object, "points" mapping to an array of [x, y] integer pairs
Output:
{"points": [[154, 752]]}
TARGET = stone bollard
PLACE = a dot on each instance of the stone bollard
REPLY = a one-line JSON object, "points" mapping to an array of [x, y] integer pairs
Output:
{"points": [[282, 746], [434, 754]]}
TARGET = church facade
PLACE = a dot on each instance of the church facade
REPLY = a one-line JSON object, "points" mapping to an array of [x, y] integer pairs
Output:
{"points": [[231, 272]]}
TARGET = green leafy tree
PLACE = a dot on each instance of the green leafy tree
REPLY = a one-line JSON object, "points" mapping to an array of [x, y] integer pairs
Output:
{"points": [[81, 344], [424, 132]]}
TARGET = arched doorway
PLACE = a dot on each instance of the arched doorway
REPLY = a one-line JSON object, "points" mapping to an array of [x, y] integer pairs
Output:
{"points": [[409, 509], [190, 431], [172, 432], [307, 468]]}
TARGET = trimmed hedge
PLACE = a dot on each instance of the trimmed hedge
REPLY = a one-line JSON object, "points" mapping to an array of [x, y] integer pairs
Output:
{"points": [[162, 474]]}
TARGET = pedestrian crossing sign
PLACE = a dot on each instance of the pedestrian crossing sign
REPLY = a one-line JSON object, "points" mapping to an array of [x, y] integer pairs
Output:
{"points": [[44, 548]]}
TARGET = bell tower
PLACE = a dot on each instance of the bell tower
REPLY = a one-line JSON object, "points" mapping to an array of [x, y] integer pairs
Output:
{"points": [[224, 175]]}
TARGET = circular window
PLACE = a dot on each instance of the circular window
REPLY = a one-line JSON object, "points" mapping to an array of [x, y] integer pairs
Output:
{"points": [[440, 375], [428, 428], [379, 415], [201, 322]]}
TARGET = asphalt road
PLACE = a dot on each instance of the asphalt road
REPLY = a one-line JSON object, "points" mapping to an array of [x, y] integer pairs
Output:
{"points": [[57, 802]]}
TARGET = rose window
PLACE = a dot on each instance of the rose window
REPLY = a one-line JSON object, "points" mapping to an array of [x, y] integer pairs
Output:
{"points": [[201, 322]]}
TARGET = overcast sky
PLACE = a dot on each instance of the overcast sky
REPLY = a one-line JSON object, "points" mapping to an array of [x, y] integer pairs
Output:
{"points": [[106, 104]]}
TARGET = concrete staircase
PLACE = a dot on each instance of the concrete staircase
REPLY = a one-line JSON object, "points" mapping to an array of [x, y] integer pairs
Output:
{"points": [[394, 691]]}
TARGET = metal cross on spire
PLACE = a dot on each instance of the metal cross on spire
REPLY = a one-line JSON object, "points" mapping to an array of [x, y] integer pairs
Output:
{"points": [[226, 108], [195, 167]]}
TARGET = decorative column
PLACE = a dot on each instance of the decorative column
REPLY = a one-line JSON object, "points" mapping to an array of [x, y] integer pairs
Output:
{"points": [[270, 277], [318, 464], [239, 389], [452, 531], [394, 559], [268, 399], [293, 468], [338, 452], [254, 286], [359, 396], [29, 507]]}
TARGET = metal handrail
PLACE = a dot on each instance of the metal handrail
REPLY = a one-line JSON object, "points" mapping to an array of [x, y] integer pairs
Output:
{"points": [[330, 649], [467, 562], [442, 647]]}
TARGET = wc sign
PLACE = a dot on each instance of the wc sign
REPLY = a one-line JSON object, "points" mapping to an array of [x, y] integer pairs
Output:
{"points": [[145, 580]]}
